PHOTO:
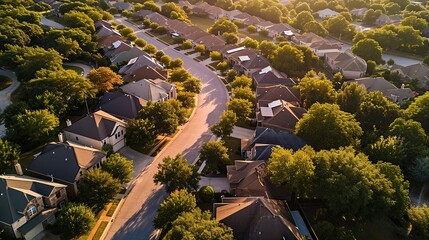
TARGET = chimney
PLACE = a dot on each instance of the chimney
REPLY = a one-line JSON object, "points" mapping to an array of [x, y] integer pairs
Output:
{"points": [[402, 86], [68, 123], [60, 137], [18, 169]]}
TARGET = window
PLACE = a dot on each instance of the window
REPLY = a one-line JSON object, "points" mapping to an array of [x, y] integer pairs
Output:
{"points": [[32, 210], [122, 132], [77, 139], [58, 194]]}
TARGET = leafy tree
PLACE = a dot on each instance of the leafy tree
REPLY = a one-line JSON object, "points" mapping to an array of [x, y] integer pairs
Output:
{"points": [[419, 110], [230, 75], [371, 16], [171, 10], [119, 167], [176, 203], [371, 67], [350, 96], [400, 185], [200, 48], [340, 27], [176, 173], [315, 28], [9, 154], [152, 6], [294, 168], [10, 112], [243, 93], [179, 75], [241, 81], [160, 113], [166, 60], [140, 132], [267, 48], [376, 112], [390, 149], [186, 44], [415, 22], [230, 38], [412, 134], [215, 56], [316, 89], [187, 99], [200, 226], [75, 220], [222, 66], [176, 63], [26, 61], [419, 170], [325, 126], [52, 101], [368, 49], [288, 59], [179, 110], [303, 18], [241, 107], [223, 25], [251, 29], [150, 48], [80, 20], [192, 85], [250, 43], [225, 126], [206, 193], [36, 126], [97, 188], [140, 42], [216, 156], [419, 218], [104, 78], [392, 8]]}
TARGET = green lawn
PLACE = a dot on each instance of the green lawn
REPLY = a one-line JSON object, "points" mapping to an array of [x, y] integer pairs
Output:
{"points": [[100, 230], [203, 23], [234, 148], [76, 69], [5, 82], [167, 39], [113, 207]]}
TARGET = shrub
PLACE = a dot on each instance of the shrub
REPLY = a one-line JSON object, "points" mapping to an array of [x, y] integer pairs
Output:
{"points": [[206, 193], [251, 29], [215, 56], [186, 44], [140, 42], [131, 37], [263, 33], [222, 66]]}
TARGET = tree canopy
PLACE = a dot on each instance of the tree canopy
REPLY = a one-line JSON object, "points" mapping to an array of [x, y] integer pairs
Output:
{"points": [[216, 156], [9, 154], [316, 89], [119, 167], [162, 114], [75, 220], [104, 79], [225, 126]]}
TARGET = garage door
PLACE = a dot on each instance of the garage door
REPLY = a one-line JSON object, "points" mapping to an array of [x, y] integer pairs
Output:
{"points": [[119, 145]]}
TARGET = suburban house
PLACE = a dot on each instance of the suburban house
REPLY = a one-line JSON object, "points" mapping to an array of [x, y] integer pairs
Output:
{"points": [[319, 45], [255, 218], [264, 139], [246, 178], [138, 62], [397, 95], [123, 6], [65, 164], [382, 20], [121, 105], [108, 40], [157, 18], [252, 20], [351, 66], [279, 91], [99, 23], [28, 205], [327, 12], [417, 71], [281, 29], [142, 14], [263, 25], [270, 76], [151, 90], [232, 57], [103, 31], [96, 130], [241, 17], [358, 12], [213, 12], [209, 41], [278, 114], [120, 52], [231, 14], [146, 72], [249, 64]]}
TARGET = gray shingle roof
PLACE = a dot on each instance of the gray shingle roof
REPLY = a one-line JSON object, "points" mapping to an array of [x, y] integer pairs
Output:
{"points": [[121, 105]]}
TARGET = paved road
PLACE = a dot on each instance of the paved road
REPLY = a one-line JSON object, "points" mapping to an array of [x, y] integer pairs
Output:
{"points": [[50, 23], [134, 220], [5, 95], [86, 68]]}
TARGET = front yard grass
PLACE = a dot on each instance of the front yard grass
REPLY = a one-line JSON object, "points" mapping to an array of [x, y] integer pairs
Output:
{"points": [[5, 82], [100, 230], [203, 23], [112, 209], [145, 149], [167, 39]]}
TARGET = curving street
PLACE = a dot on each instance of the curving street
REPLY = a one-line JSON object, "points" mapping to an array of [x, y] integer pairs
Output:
{"points": [[5, 95], [134, 220]]}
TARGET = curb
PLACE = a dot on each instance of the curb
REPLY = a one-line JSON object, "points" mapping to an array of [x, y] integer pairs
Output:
{"points": [[112, 218]]}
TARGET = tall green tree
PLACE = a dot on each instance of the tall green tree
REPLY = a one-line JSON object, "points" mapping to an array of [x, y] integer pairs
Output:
{"points": [[176, 173], [325, 126], [223, 25], [76, 19], [288, 59], [412, 134], [241, 81], [162, 115], [317, 89], [9, 154], [419, 218], [368, 49], [389, 149], [225, 126], [419, 110], [75, 220], [216, 156], [350, 97], [140, 132], [200, 226], [97, 188], [241, 107], [244, 93], [119, 167], [176, 203], [104, 79]]}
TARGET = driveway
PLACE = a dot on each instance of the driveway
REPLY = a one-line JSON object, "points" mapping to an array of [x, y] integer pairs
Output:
{"points": [[134, 220], [140, 160], [86, 68], [218, 183], [5, 95]]}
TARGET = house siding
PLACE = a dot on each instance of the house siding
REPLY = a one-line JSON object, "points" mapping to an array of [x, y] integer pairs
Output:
{"points": [[83, 140]]}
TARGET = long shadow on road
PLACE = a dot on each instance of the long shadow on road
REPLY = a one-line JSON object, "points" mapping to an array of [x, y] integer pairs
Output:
{"points": [[140, 225]]}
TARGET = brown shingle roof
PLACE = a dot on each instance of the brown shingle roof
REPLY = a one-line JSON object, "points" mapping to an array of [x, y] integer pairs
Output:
{"points": [[274, 92], [285, 116], [245, 178]]}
